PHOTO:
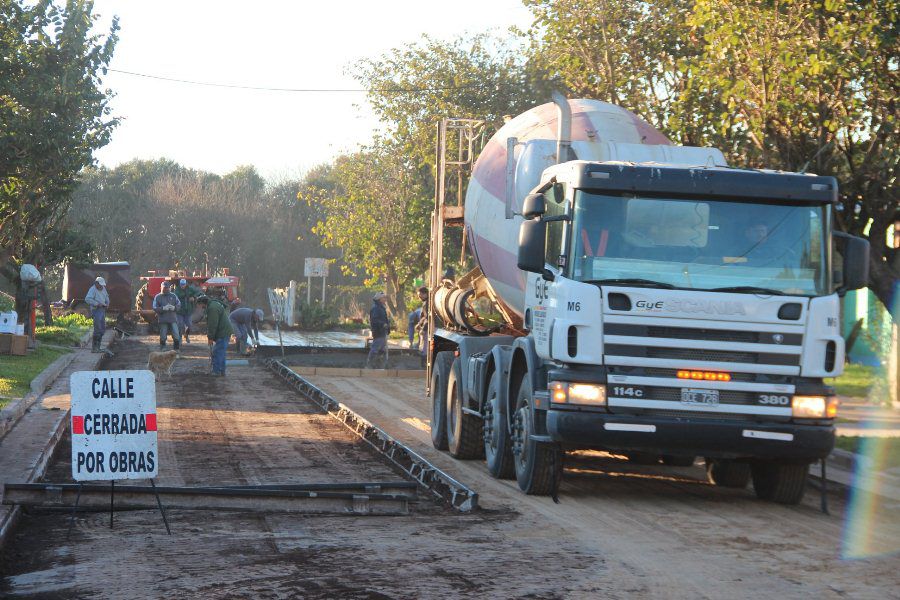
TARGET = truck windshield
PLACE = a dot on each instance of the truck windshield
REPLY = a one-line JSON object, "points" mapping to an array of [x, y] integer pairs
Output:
{"points": [[707, 244]]}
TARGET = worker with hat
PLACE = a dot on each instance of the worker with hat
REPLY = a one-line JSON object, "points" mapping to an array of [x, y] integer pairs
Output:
{"points": [[187, 295], [218, 332], [97, 300], [166, 305], [380, 326]]}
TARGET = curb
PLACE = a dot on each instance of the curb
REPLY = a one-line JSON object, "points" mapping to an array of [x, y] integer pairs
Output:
{"points": [[349, 372], [39, 467], [10, 415]]}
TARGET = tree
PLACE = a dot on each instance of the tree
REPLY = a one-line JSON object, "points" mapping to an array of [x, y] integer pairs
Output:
{"points": [[161, 215], [377, 202], [813, 84], [376, 213], [792, 85], [54, 115]]}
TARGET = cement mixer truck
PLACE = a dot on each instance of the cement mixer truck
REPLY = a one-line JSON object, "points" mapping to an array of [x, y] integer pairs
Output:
{"points": [[633, 296]]}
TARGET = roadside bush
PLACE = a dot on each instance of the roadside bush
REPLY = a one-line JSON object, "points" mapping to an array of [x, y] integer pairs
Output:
{"points": [[315, 317], [73, 320], [59, 336]]}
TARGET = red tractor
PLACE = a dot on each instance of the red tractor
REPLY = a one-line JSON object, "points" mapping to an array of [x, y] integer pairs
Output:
{"points": [[221, 285]]}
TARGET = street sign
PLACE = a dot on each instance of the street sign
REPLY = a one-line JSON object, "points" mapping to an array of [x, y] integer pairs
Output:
{"points": [[113, 425], [315, 267]]}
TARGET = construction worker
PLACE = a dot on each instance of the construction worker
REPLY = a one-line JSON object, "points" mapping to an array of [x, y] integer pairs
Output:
{"points": [[187, 295], [218, 332], [412, 325], [380, 326], [166, 305], [97, 300], [245, 322]]}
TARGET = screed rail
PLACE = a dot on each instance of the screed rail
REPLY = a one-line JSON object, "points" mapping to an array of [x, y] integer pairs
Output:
{"points": [[251, 498], [420, 469]]}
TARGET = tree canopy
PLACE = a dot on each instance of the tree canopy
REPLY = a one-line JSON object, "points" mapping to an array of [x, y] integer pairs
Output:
{"points": [[55, 113], [793, 85]]}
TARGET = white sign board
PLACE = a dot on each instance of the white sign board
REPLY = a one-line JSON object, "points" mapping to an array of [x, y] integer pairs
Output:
{"points": [[315, 267], [113, 425]]}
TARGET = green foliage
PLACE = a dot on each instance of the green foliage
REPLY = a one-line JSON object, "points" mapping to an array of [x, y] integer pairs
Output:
{"points": [[885, 450], [856, 381], [377, 215], [54, 114], [73, 320], [786, 85], [59, 336], [315, 317], [158, 214], [377, 202], [66, 330]]}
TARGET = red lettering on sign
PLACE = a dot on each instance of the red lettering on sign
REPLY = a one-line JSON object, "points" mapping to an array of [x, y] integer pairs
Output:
{"points": [[77, 424], [151, 422]]}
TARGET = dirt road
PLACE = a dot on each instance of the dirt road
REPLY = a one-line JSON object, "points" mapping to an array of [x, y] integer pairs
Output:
{"points": [[619, 532], [662, 531]]}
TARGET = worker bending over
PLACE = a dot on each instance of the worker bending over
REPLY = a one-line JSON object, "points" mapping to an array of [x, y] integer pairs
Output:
{"points": [[245, 322]]}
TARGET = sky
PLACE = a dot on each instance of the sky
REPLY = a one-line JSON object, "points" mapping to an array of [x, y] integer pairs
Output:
{"points": [[263, 43]]}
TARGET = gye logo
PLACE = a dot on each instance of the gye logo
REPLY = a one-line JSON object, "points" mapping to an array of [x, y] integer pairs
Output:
{"points": [[649, 305]]}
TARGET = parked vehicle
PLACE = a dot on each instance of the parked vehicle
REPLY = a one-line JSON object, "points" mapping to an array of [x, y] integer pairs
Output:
{"points": [[219, 284], [78, 280], [637, 297]]}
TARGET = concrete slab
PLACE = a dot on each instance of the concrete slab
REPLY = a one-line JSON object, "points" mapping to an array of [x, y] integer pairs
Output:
{"points": [[313, 339]]}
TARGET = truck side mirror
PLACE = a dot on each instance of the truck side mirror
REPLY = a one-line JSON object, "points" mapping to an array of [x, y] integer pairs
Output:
{"points": [[535, 205], [855, 252], [532, 240]]}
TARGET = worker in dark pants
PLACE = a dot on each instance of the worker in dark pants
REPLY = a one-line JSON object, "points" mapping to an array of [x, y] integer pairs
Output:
{"points": [[218, 332], [380, 326], [245, 323], [166, 305], [97, 300], [187, 295]]}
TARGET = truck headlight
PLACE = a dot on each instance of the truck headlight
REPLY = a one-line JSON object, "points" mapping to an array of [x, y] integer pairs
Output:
{"points": [[562, 392], [814, 407]]}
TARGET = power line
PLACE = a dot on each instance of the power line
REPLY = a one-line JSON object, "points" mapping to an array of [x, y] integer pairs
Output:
{"points": [[295, 90]]}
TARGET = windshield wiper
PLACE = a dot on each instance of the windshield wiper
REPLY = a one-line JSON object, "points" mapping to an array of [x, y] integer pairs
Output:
{"points": [[750, 289], [627, 281]]}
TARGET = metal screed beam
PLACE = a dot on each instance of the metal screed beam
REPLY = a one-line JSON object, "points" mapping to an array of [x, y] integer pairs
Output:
{"points": [[426, 474]]}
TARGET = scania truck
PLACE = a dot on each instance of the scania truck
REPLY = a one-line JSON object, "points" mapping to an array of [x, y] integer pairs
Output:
{"points": [[636, 297]]}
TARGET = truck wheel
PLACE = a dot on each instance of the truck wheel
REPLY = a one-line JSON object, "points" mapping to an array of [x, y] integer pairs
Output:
{"points": [[678, 461], [643, 458], [465, 438], [497, 443], [727, 473], [440, 372], [537, 464], [782, 483]]}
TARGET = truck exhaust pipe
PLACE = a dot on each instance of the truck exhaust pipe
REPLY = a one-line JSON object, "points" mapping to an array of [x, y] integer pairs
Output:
{"points": [[564, 127]]}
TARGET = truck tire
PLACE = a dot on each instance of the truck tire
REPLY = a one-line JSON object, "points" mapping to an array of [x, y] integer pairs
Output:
{"points": [[465, 437], [497, 442], [537, 464], [440, 372], [678, 461], [782, 483], [727, 473]]}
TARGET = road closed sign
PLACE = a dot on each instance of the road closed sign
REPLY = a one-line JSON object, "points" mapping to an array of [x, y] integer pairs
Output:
{"points": [[113, 425]]}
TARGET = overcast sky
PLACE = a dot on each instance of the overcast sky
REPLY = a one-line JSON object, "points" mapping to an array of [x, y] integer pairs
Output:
{"points": [[263, 43]]}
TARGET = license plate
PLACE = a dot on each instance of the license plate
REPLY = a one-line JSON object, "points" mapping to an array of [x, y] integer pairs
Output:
{"points": [[694, 396]]}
